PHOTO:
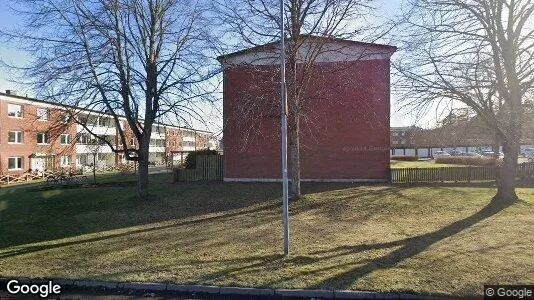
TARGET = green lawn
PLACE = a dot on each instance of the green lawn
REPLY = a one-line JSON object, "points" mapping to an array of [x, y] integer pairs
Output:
{"points": [[397, 164], [426, 240]]}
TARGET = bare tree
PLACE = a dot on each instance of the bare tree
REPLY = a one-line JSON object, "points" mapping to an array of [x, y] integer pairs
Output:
{"points": [[479, 53], [310, 25], [138, 61]]}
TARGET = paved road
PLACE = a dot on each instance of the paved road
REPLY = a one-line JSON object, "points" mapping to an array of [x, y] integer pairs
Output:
{"points": [[94, 295]]}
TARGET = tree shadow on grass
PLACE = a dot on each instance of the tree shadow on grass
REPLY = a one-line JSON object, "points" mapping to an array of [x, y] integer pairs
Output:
{"points": [[196, 221], [35, 215], [405, 248]]}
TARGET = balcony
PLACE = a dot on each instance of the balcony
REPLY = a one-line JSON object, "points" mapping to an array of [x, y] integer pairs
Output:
{"points": [[156, 149], [188, 148], [80, 148], [96, 129], [157, 136]]}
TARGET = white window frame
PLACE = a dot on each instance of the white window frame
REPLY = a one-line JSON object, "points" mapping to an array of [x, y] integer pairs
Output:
{"points": [[46, 138], [18, 113], [19, 137], [43, 116], [17, 159], [67, 141], [65, 161]]}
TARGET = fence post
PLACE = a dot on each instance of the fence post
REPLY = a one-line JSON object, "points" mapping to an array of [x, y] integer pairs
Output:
{"points": [[469, 174]]}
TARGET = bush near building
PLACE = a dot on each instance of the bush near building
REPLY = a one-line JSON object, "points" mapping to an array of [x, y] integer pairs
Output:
{"points": [[191, 158], [468, 160]]}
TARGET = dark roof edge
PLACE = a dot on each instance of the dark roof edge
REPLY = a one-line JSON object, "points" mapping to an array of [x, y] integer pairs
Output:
{"points": [[90, 110]]}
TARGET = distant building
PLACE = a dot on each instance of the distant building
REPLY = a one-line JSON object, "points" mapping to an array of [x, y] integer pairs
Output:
{"points": [[402, 137], [38, 135], [461, 130]]}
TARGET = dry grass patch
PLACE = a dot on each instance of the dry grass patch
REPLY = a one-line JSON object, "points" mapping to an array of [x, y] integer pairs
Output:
{"points": [[426, 240]]}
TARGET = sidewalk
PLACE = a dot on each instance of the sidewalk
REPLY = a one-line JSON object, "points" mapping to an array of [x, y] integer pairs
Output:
{"points": [[81, 289]]}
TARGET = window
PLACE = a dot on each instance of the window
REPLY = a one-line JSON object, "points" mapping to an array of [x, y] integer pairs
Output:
{"points": [[83, 119], [65, 118], [106, 122], [42, 114], [65, 161], [83, 138], [174, 143], [190, 134], [132, 142], [15, 137], [14, 110], [43, 138], [158, 129], [14, 163], [65, 139], [157, 143]]}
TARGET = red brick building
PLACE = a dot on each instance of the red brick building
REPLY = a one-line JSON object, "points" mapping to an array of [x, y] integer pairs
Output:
{"points": [[36, 135], [345, 113]]}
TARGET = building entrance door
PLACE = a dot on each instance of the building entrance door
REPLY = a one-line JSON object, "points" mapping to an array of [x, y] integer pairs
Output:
{"points": [[38, 164]]}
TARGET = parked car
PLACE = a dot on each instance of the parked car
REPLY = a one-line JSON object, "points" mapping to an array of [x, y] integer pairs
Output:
{"points": [[473, 154], [440, 154], [490, 153], [529, 153], [456, 153]]}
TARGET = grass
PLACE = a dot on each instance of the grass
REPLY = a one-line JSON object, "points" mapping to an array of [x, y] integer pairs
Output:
{"points": [[395, 164], [386, 238]]}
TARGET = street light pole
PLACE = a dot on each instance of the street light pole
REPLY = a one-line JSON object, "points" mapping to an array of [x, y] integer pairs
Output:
{"points": [[283, 94]]}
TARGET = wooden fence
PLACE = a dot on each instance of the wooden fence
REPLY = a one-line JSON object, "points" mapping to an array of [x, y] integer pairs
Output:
{"points": [[29, 176], [208, 168], [456, 174]]}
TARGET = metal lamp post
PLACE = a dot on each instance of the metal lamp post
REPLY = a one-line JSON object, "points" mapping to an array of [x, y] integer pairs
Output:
{"points": [[283, 93]]}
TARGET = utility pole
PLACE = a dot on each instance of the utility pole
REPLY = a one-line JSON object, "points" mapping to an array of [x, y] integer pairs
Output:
{"points": [[283, 94]]}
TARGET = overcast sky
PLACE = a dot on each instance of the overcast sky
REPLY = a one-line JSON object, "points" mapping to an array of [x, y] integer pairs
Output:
{"points": [[8, 19]]}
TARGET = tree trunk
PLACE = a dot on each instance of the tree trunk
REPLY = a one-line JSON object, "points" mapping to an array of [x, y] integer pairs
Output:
{"points": [[142, 171], [294, 156], [294, 125], [507, 174]]}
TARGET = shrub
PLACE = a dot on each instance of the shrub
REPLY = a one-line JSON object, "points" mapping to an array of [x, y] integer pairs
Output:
{"points": [[405, 158], [191, 158], [468, 160]]}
